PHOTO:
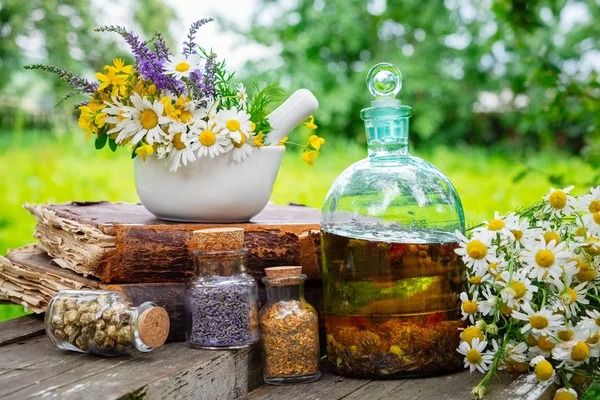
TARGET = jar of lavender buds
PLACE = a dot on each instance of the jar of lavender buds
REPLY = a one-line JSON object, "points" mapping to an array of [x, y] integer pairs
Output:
{"points": [[221, 301]]}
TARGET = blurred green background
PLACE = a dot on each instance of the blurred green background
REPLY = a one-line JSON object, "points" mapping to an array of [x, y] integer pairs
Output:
{"points": [[505, 93]]}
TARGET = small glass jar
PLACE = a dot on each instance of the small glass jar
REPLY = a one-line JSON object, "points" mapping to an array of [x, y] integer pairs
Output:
{"points": [[289, 332], [221, 301], [104, 322]]}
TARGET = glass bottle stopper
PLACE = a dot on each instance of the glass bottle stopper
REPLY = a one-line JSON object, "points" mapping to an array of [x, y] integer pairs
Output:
{"points": [[384, 81]]}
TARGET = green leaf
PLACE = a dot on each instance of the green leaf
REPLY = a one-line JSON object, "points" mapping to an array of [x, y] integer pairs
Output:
{"points": [[101, 141], [133, 155], [520, 176], [546, 79], [112, 144]]}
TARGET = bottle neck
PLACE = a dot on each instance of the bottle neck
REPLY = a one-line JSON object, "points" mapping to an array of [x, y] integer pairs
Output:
{"points": [[221, 263], [387, 131], [276, 294]]}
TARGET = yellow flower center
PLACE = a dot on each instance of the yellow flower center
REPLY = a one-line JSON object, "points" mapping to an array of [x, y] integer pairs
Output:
{"points": [[585, 273], [182, 67], [580, 231], [506, 310], [476, 249], [544, 258], [538, 321], [519, 288], [207, 138], [474, 357], [492, 268], [531, 340], [148, 119], [597, 321], [471, 333], [543, 370], [558, 199], [475, 280], [518, 234], [565, 336], [573, 295], [233, 125], [550, 236], [580, 352], [470, 306], [578, 379], [185, 117], [177, 143], [593, 339], [596, 217], [564, 396], [241, 143], [545, 343], [495, 225], [594, 206]]}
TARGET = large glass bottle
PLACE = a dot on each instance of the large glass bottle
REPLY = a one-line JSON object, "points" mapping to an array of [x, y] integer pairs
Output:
{"points": [[391, 276]]}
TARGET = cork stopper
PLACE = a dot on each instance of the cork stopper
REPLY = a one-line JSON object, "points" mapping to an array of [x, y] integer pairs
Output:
{"points": [[285, 275], [153, 327], [217, 239]]}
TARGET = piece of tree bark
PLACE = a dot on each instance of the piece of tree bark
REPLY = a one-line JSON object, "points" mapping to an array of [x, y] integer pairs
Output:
{"points": [[124, 243]]}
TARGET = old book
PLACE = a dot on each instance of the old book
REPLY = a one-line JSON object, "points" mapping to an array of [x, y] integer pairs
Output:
{"points": [[124, 243], [29, 277]]}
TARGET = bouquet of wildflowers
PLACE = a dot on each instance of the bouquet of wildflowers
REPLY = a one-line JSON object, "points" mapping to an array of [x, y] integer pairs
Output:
{"points": [[177, 107], [532, 300]]}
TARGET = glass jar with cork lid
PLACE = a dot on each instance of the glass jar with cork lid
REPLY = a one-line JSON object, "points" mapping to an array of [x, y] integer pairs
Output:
{"points": [[221, 300], [289, 329], [104, 322]]}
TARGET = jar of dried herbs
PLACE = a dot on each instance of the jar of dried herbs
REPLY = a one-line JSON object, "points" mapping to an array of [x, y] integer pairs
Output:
{"points": [[221, 301], [104, 322], [289, 329]]}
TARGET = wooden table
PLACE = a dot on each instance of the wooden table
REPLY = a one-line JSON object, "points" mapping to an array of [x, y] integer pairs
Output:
{"points": [[32, 367]]}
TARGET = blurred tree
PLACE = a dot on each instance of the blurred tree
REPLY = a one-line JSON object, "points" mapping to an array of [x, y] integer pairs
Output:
{"points": [[61, 33], [515, 71]]}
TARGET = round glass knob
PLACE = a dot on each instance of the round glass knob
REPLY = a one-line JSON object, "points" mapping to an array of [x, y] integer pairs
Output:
{"points": [[384, 80]]}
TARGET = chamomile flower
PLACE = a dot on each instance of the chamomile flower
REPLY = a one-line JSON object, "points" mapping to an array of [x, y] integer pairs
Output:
{"points": [[181, 67], [589, 202], [181, 147], [542, 368], [490, 304], [591, 322], [572, 353], [242, 150], [560, 202], [468, 307], [520, 229], [209, 143], [543, 346], [545, 260], [499, 225], [518, 290], [513, 353], [542, 322], [241, 95], [234, 123], [565, 394], [476, 252], [570, 298], [141, 120], [475, 281], [475, 358], [592, 222]]}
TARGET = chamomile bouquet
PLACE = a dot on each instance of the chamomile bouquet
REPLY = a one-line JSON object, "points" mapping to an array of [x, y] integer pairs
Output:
{"points": [[532, 300], [175, 107]]}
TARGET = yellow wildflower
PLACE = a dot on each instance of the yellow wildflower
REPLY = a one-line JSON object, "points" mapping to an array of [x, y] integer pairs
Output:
{"points": [[144, 150], [169, 108], [111, 78], [258, 139], [91, 118], [311, 123], [316, 142], [119, 66], [309, 156], [282, 141]]}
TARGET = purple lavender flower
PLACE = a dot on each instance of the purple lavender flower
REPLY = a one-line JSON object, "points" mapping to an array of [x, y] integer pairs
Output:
{"points": [[189, 46], [160, 47], [149, 65], [81, 84]]}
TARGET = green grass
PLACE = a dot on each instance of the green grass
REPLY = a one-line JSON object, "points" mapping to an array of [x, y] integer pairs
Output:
{"points": [[40, 167]]}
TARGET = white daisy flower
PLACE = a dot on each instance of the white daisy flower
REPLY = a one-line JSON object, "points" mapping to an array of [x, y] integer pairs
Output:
{"points": [[592, 322], [489, 305], [234, 123], [572, 353], [589, 202], [161, 151], [543, 346], [499, 225], [542, 322], [566, 394], [475, 281], [520, 229], [476, 252], [519, 290], [514, 353], [181, 147], [209, 143], [474, 356], [242, 96], [545, 260], [542, 369], [468, 307], [569, 298], [115, 110], [241, 151], [181, 67], [592, 222], [141, 120], [560, 202]]}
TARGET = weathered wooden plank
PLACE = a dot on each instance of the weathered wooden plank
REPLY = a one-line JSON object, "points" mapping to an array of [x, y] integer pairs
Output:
{"points": [[20, 328], [35, 368]]}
